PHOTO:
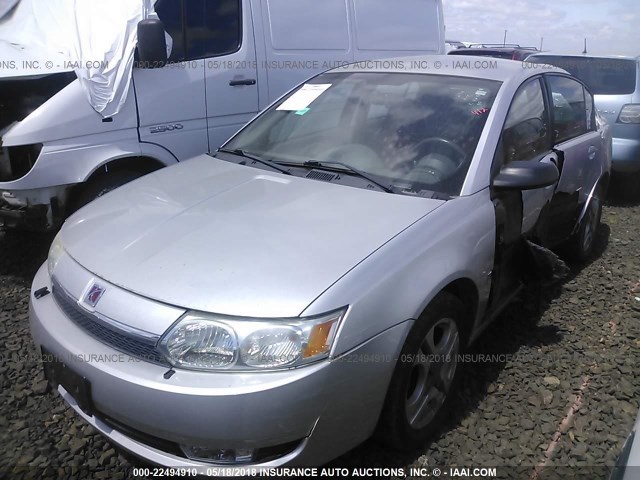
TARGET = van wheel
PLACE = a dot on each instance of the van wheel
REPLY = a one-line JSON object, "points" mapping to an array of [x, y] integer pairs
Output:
{"points": [[102, 185], [426, 376], [580, 246]]}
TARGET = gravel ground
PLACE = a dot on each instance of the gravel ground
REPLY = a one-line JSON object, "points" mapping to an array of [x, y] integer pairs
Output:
{"points": [[552, 382]]}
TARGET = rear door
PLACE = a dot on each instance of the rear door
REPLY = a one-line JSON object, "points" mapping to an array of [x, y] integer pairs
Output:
{"points": [[580, 154]]}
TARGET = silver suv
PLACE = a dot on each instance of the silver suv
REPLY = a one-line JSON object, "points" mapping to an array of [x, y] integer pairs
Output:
{"points": [[615, 82]]}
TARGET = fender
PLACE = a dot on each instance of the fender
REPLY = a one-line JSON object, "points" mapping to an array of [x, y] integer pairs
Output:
{"points": [[453, 242]]}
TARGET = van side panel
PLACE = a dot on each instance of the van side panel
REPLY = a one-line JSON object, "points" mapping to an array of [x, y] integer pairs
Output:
{"points": [[382, 27], [303, 38], [306, 37]]}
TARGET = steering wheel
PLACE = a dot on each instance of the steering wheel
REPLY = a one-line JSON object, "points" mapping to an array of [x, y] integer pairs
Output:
{"points": [[354, 154], [434, 167]]}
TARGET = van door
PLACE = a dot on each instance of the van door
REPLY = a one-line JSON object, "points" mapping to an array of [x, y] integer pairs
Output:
{"points": [[222, 31], [171, 100]]}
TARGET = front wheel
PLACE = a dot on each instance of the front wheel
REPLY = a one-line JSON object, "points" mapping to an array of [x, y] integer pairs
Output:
{"points": [[426, 376], [102, 185]]}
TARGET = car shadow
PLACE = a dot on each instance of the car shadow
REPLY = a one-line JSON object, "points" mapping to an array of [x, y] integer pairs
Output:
{"points": [[516, 327], [22, 253], [615, 197]]}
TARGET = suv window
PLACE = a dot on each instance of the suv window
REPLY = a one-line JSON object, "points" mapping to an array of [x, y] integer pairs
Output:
{"points": [[603, 76], [525, 135], [569, 111], [201, 28]]}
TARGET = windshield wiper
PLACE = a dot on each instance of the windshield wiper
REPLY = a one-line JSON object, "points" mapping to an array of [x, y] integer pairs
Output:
{"points": [[317, 164], [241, 153]]}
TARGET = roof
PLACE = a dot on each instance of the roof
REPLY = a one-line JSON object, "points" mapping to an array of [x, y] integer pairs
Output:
{"points": [[460, 65], [580, 55]]}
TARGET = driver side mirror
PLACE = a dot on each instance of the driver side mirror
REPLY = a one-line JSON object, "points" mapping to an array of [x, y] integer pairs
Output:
{"points": [[152, 44], [526, 175]]}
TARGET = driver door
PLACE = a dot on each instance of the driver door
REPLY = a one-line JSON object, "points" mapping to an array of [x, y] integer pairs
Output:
{"points": [[526, 136]]}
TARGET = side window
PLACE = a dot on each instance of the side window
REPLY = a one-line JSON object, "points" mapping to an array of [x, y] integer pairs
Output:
{"points": [[214, 27], [170, 12], [569, 111], [591, 111], [201, 28], [525, 135]]}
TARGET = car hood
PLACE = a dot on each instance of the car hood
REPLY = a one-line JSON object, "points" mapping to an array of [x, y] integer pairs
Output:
{"points": [[219, 237]]}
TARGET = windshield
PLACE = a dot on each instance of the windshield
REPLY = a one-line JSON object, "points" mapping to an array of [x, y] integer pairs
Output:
{"points": [[413, 131], [603, 76]]}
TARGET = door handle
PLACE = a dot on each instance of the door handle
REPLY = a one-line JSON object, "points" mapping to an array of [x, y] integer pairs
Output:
{"points": [[246, 81], [592, 152]]}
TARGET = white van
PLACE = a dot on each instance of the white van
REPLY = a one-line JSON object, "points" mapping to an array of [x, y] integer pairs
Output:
{"points": [[229, 60]]}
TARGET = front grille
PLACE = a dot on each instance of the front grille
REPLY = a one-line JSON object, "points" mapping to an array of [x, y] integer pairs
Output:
{"points": [[124, 342]]}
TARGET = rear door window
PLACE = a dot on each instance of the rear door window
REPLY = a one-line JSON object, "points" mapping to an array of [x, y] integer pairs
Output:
{"points": [[569, 109], [603, 76]]}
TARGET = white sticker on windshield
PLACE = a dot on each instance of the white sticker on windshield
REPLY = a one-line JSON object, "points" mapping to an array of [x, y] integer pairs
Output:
{"points": [[304, 97]]}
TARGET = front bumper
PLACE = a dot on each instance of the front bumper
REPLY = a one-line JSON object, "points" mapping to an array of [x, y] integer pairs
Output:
{"points": [[323, 410], [36, 210]]}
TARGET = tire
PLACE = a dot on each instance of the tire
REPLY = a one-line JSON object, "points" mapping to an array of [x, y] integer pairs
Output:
{"points": [[103, 185], [580, 246], [409, 418]]}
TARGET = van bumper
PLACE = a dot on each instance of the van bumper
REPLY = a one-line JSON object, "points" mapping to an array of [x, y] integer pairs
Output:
{"points": [[34, 210]]}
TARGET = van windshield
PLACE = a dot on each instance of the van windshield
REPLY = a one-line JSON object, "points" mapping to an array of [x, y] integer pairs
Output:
{"points": [[603, 76], [413, 131]]}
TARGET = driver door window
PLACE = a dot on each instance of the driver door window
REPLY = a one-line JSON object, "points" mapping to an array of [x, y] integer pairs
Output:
{"points": [[525, 135], [201, 28]]}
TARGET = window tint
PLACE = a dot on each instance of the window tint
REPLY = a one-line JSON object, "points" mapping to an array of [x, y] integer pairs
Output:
{"points": [[603, 76], [525, 134], [170, 12], [213, 27], [569, 112]]}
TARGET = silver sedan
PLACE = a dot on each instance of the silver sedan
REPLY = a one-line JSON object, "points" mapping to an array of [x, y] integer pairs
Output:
{"points": [[318, 278]]}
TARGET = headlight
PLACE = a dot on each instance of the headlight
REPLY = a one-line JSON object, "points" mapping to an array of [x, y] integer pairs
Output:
{"points": [[210, 342], [55, 253]]}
